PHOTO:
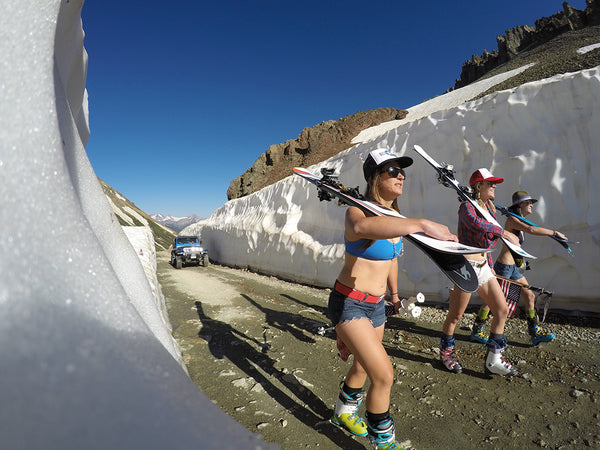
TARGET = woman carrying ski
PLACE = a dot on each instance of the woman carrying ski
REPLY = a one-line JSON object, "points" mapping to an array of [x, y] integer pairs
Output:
{"points": [[356, 306], [509, 266], [476, 231]]}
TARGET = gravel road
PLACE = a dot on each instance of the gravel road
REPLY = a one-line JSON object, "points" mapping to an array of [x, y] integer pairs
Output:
{"points": [[251, 344]]}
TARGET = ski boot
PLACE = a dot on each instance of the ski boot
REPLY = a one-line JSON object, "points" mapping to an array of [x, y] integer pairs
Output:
{"points": [[383, 436], [477, 334], [536, 333], [494, 358], [345, 414], [448, 357]]}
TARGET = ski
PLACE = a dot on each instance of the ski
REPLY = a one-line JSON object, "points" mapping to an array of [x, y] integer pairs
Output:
{"points": [[562, 242], [447, 255], [446, 177]]}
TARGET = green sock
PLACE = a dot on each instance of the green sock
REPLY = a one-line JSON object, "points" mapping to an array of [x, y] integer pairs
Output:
{"points": [[483, 313], [530, 313]]}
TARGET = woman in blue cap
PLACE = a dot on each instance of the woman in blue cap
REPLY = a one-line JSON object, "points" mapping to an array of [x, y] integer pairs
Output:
{"points": [[356, 306], [509, 265]]}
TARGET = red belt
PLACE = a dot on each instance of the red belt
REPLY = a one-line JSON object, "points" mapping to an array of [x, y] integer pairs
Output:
{"points": [[356, 295]]}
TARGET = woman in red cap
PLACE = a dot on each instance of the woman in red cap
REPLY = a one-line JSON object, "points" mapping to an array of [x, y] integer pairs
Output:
{"points": [[476, 231], [507, 265], [356, 307]]}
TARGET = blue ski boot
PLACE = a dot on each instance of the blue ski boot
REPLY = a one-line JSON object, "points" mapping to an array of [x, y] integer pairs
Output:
{"points": [[536, 333], [477, 334]]}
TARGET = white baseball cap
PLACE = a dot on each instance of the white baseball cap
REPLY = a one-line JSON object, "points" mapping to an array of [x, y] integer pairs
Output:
{"points": [[381, 156]]}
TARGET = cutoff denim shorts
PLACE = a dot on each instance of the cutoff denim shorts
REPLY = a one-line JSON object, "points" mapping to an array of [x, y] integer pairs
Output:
{"points": [[509, 271], [342, 309], [483, 271]]}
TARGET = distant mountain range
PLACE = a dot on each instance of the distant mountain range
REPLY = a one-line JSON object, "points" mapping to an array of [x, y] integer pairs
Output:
{"points": [[175, 223]]}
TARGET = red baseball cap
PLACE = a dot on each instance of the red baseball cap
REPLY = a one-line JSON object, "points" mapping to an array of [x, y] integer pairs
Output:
{"points": [[483, 175]]}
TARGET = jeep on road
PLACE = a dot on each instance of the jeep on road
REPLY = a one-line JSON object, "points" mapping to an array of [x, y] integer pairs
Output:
{"points": [[186, 250]]}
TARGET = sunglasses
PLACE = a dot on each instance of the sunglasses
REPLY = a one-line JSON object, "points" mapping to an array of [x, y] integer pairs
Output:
{"points": [[491, 183], [393, 172]]}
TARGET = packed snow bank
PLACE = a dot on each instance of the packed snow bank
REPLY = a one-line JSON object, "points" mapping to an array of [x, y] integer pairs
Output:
{"points": [[87, 358], [541, 137]]}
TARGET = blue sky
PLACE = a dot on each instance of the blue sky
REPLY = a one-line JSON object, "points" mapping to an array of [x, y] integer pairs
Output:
{"points": [[184, 96]]}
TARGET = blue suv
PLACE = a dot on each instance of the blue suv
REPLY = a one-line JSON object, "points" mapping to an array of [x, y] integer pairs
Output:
{"points": [[186, 250]]}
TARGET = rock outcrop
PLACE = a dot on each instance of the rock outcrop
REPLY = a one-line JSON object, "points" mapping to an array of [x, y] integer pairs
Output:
{"points": [[313, 145], [523, 38]]}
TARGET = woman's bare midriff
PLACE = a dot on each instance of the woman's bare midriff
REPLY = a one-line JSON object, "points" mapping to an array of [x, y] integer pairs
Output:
{"points": [[365, 275], [476, 257]]}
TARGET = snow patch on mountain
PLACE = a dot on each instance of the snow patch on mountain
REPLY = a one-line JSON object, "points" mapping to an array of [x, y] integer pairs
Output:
{"points": [[175, 223]]}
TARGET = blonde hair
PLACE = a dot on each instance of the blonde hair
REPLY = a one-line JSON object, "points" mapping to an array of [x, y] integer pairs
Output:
{"points": [[372, 191], [477, 196]]}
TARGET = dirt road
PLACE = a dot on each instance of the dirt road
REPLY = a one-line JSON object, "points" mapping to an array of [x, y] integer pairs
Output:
{"points": [[251, 344]]}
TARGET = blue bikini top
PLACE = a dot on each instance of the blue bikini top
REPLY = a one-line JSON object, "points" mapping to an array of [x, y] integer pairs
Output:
{"points": [[380, 250]]}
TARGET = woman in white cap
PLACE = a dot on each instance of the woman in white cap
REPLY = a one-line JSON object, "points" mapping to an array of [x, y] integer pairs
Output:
{"points": [[356, 306], [476, 231], [509, 265]]}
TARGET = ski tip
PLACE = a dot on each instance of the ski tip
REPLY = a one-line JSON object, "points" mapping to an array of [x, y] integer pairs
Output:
{"points": [[417, 148], [302, 171]]}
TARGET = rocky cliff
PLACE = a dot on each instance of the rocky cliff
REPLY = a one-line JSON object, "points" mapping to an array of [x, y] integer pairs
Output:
{"points": [[524, 38], [313, 145]]}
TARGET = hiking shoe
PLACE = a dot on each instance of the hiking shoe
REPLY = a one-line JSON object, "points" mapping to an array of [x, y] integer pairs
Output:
{"points": [[346, 415], [383, 437], [449, 359], [495, 363], [537, 335], [477, 334]]}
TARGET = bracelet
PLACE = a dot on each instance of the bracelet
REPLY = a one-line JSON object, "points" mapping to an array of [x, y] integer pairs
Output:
{"points": [[393, 293]]}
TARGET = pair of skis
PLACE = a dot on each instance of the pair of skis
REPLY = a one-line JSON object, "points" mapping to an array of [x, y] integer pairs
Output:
{"points": [[447, 255], [446, 177]]}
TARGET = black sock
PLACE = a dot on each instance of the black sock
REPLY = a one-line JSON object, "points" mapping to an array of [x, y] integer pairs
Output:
{"points": [[496, 337], [375, 419], [447, 340], [351, 392]]}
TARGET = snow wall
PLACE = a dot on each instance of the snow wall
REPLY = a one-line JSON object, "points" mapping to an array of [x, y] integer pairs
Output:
{"points": [[541, 137], [87, 357]]}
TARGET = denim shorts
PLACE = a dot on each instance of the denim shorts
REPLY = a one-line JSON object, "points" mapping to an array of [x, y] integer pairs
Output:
{"points": [[343, 309], [509, 271]]}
